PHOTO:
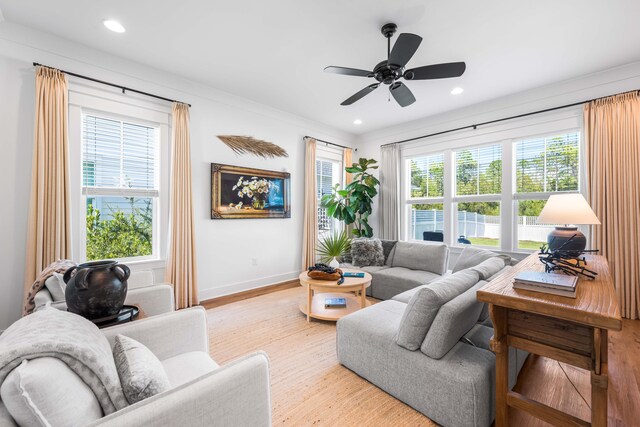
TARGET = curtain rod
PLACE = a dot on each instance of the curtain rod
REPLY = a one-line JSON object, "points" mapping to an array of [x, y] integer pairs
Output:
{"points": [[327, 142], [123, 88], [475, 126]]}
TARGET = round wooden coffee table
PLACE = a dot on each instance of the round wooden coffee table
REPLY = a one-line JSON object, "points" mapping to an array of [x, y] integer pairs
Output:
{"points": [[317, 290]]}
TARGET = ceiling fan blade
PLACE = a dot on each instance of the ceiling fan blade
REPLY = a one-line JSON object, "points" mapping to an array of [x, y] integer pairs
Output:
{"points": [[404, 48], [437, 71], [348, 71], [402, 94], [361, 94]]}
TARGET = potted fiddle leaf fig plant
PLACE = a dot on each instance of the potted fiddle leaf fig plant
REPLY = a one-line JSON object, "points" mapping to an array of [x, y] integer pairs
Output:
{"points": [[333, 246], [354, 203]]}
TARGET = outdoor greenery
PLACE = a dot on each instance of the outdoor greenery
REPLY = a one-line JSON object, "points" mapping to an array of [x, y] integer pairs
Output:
{"points": [[333, 245], [555, 170], [354, 203], [122, 235]]}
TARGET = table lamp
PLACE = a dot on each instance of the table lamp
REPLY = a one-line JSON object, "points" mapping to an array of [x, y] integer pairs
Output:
{"points": [[568, 209]]}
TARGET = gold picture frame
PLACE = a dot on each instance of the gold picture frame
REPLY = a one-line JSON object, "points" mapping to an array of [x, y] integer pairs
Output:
{"points": [[239, 193]]}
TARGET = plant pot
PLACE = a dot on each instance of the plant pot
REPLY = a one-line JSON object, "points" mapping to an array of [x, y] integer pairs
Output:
{"points": [[96, 289], [334, 263]]}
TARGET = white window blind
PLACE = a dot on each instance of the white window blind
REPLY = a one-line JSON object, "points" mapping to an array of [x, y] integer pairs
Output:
{"points": [[119, 158], [548, 164], [427, 176], [479, 170], [324, 177]]}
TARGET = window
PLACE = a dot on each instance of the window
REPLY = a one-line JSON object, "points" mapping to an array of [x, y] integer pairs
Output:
{"points": [[120, 183], [427, 176], [328, 174], [488, 188], [543, 166], [478, 183]]}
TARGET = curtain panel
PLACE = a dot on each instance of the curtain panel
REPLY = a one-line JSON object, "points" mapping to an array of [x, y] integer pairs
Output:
{"points": [[310, 223], [49, 223], [389, 191], [181, 261], [612, 153]]}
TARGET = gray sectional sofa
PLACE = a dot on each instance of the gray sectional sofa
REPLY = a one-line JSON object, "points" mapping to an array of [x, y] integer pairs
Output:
{"points": [[407, 265], [429, 346]]}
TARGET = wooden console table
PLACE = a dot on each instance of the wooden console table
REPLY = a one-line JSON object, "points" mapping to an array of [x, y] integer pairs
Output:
{"points": [[572, 331]]}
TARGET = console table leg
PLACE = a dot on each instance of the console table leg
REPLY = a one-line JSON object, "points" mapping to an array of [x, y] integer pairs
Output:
{"points": [[600, 385], [309, 302], [501, 349]]}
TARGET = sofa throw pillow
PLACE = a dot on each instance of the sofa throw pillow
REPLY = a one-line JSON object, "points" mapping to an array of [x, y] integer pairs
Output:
{"points": [[56, 287], [421, 256], [387, 248], [472, 256], [46, 392], [141, 372], [489, 267], [425, 303], [366, 252]]}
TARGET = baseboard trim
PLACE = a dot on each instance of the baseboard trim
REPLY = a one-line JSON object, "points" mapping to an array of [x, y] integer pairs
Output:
{"points": [[251, 293]]}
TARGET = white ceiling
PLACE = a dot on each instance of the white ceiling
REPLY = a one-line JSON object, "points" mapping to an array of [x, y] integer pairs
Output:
{"points": [[274, 52]]}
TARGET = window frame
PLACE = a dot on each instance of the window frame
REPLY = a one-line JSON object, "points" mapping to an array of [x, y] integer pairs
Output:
{"points": [[88, 99], [507, 134], [335, 156]]}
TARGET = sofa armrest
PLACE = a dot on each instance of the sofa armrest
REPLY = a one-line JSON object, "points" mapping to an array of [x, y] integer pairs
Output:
{"points": [[153, 299], [236, 394], [168, 334]]}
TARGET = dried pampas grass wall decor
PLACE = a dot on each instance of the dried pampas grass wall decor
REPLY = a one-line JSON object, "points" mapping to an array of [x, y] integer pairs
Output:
{"points": [[248, 144]]}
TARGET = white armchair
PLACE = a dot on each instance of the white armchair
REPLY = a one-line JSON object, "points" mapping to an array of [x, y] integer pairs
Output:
{"points": [[202, 393]]}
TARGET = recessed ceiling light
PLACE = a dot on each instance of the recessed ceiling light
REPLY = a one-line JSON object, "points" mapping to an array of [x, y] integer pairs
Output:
{"points": [[457, 91], [357, 122], [114, 25]]}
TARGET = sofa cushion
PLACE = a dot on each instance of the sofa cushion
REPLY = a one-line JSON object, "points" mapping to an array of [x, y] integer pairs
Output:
{"points": [[421, 256], [366, 252], [425, 304], [373, 268], [389, 282], [454, 319], [489, 267], [472, 256], [187, 367], [46, 392], [141, 373]]}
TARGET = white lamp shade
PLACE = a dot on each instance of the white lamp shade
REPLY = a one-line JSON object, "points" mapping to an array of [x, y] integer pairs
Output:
{"points": [[567, 209]]}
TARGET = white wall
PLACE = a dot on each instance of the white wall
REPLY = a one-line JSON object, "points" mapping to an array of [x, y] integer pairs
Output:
{"points": [[608, 82], [225, 248]]}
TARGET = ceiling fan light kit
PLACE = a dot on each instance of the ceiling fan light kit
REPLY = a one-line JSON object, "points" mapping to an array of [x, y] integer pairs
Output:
{"points": [[392, 69]]}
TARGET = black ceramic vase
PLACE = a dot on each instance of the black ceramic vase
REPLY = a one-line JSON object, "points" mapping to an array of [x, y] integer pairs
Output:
{"points": [[96, 290]]}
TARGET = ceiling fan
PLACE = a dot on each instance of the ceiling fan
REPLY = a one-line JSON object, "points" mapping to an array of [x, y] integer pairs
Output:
{"points": [[392, 69]]}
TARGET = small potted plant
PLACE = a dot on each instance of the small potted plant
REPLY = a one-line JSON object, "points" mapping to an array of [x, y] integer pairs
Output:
{"points": [[333, 246]]}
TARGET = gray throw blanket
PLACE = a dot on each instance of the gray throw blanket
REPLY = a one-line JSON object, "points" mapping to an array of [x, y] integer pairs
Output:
{"points": [[72, 339]]}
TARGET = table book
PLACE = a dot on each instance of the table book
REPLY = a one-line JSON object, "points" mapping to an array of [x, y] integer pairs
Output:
{"points": [[550, 283]]}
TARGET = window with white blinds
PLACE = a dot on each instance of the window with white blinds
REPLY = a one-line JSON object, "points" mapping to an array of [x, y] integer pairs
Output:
{"points": [[328, 174], [119, 158], [548, 164], [427, 176], [479, 170], [120, 185]]}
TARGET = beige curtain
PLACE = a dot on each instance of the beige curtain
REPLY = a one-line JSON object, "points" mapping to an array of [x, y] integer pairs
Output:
{"points": [[612, 139], [310, 224], [181, 261], [49, 231], [347, 161], [389, 192]]}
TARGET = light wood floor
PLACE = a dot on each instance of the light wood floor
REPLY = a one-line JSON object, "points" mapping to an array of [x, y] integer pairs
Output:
{"points": [[309, 387]]}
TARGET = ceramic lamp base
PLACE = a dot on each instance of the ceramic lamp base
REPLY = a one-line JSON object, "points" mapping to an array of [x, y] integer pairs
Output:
{"points": [[560, 235]]}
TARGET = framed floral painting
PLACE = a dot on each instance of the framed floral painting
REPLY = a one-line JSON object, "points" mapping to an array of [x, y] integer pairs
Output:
{"points": [[238, 192]]}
